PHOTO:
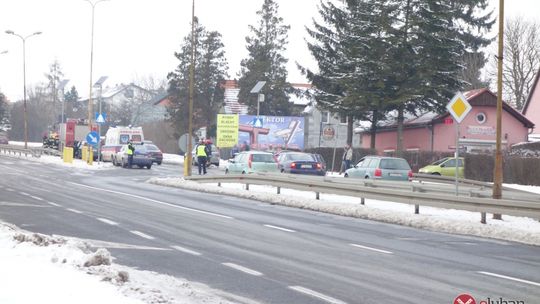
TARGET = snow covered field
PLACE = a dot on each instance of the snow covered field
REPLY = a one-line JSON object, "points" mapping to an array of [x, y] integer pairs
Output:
{"points": [[54, 267]]}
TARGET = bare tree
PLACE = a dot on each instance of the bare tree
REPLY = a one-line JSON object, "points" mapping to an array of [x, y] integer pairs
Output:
{"points": [[521, 59]]}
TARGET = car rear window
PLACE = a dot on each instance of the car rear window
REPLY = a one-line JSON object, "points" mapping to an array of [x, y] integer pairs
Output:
{"points": [[262, 158], [394, 164], [151, 147], [301, 157]]}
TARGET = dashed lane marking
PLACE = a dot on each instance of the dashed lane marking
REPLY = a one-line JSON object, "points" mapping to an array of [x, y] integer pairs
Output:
{"points": [[185, 250], [143, 235], [106, 221], [36, 198], [279, 228], [316, 295], [54, 204], [372, 249], [509, 278], [74, 210], [243, 269]]}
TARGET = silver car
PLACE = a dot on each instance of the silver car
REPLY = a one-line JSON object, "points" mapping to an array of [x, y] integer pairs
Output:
{"points": [[381, 167], [212, 160]]}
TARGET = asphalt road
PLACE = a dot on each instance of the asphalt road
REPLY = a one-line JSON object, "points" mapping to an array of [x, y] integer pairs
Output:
{"points": [[263, 252]]}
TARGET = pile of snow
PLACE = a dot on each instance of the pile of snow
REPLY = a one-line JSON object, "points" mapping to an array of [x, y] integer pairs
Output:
{"points": [[511, 228], [44, 269]]}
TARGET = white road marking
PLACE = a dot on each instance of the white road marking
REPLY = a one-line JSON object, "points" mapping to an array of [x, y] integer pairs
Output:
{"points": [[143, 235], [509, 278], [24, 193], [36, 198], [19, 205], [10, 190], [185, 250], [316, 295], [243, 269], [106, 221], [98, 243], [279, 228], [74, 210], [54, 204], [372, 249], [154, 201]]}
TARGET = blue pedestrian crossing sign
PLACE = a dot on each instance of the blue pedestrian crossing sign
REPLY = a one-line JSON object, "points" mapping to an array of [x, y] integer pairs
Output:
{"points": [[257, 122], [100, 118], [92, 138]]}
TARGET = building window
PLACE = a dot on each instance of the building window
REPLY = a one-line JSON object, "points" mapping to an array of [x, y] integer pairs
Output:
{"points": [[481, 118], [343, 119], [325, 117]]}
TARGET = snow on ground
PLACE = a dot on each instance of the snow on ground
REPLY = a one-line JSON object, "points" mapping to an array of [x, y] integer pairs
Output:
{"points": [[511, 228], [55, 270]]}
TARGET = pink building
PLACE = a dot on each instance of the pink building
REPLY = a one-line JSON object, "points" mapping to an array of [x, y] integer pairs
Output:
{"points": [[531, 108], [437, 132]]}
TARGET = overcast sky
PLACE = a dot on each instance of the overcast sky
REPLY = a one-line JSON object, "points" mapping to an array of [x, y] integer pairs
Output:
{"points": [[135, 39]]}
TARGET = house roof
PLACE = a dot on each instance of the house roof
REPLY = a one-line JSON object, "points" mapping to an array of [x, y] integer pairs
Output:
{"points": [[531, 93], [479, 97]]}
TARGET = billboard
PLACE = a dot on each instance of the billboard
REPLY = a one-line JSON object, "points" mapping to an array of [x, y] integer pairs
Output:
{"points": [[227, 130], [271, 132]]}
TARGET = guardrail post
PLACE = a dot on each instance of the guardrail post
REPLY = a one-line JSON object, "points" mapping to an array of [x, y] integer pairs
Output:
{"points": [[247, 186], [483, 217], [362, 201], [278, 190], [219, 184], [416, 209], [317, 195]]}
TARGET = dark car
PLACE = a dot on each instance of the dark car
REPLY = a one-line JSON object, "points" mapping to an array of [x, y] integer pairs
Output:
{"points": [[141, 157], [300, 163], [155, 153]]}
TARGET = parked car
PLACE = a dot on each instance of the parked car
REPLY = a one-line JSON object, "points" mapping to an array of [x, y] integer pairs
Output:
{"points": [[155, 153], [300, 163], [109, 151], [252, 161], [381, 167], [212, 160], [445, 167], [141, 157]]}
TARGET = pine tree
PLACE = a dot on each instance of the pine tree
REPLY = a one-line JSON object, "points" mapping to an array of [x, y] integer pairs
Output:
{"points": [[209, 73], [266, 63], [4, 117]]}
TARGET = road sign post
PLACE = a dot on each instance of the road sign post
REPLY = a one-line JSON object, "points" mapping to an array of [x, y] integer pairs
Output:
{"points": [[458, 107]]}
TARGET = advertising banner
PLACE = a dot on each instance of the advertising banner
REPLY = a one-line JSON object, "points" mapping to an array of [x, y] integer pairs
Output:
{"points": [[227, 130], [271, 132]]}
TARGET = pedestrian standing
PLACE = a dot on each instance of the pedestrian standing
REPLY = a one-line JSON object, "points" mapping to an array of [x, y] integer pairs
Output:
{"points": [[201, 157], [130, 151], [346, 159]]}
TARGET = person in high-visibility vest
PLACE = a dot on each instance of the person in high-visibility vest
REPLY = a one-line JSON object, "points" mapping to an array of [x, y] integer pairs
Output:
{"points": [[201, 157], [130, 151]]}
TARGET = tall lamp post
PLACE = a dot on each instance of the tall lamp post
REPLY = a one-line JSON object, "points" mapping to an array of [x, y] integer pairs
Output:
{"points": [[24, 82], [90, 106], [99, 84]]}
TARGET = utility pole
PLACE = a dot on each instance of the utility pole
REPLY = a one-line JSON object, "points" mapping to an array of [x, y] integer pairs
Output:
{"points": [[498, 173]]}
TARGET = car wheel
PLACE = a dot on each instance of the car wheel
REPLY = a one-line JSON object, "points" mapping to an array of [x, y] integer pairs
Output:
{"points": [[243, 172], [436, 173], [282, 171], [114, 161], [159, 163], [366, 177], [226, 171], [346, 175], [149, 166]]}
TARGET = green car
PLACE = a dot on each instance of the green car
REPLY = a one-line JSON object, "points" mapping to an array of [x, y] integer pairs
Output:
{"points": [[445, 167], [251, 162]]}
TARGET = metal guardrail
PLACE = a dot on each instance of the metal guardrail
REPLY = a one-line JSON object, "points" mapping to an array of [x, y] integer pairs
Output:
{"points": [[413, 193], [20, 151]]}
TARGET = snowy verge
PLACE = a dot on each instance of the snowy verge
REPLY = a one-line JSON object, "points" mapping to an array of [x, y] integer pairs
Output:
{"points": [[516, 229], [43, 269]]}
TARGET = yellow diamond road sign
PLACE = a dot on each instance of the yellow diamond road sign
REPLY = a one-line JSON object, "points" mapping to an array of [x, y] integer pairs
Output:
{"points": [[459, 107]]}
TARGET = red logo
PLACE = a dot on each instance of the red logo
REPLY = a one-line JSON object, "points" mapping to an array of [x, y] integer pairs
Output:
{"points": [[464, 299]]}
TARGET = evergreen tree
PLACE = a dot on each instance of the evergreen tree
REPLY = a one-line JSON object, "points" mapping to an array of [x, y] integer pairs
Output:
{"points": [[209, 73], [266, 63], [4, 112]]}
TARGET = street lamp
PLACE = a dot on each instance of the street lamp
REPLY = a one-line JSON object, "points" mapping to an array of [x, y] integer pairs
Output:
{"points": [[90, 107], [188, 159], [24, 82]]}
